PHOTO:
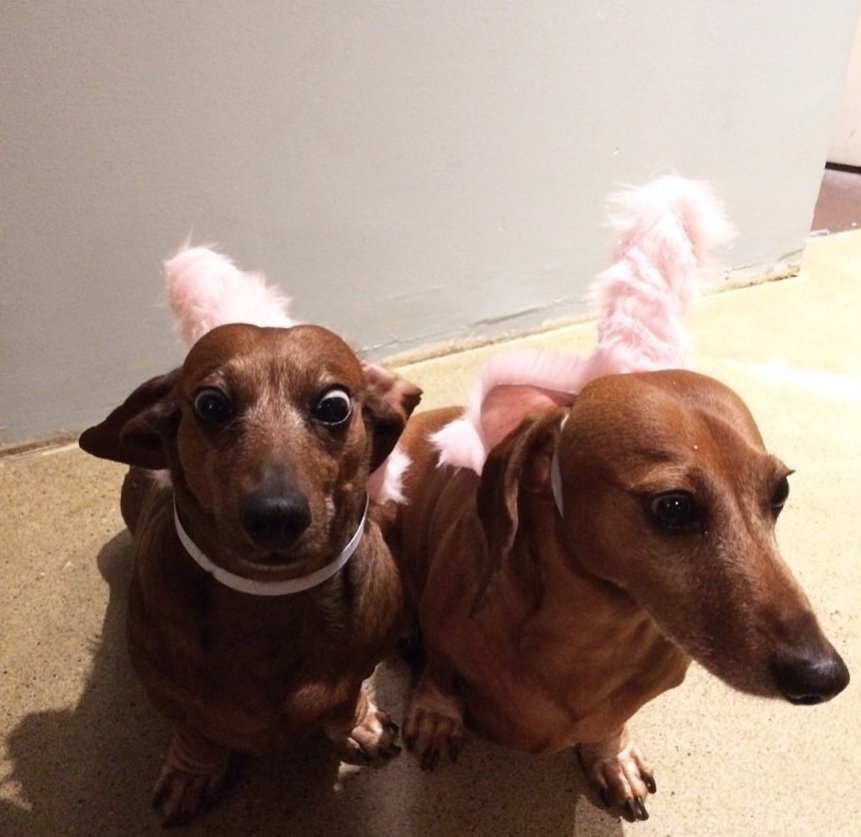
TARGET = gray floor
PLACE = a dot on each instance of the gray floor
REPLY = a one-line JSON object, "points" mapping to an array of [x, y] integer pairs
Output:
{"points": [[81, 746]]}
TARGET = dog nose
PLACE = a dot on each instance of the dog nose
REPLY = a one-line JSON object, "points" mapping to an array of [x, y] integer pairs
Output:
{"points": [[274, 521], [808, 677]]}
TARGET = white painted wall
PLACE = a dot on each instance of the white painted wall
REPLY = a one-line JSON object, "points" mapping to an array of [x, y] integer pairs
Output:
{"points": [[846, 145], [411, 172]]}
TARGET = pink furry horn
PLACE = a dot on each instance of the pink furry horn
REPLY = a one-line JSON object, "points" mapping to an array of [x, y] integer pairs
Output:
{"points": [[205, 289], [665, 232]]}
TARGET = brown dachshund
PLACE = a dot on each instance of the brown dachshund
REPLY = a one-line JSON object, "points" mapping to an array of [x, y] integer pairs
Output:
{"points": [[603, 546], [262, 595]]}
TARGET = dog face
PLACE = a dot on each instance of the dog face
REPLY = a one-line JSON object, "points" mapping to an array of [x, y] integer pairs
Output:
{"points": [[675, 500], [267, 432], [669, 494]]}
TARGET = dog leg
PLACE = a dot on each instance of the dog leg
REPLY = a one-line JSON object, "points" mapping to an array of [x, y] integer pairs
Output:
{"points": [[363, 734], [434, 725], [190, 778], [616, 769]]}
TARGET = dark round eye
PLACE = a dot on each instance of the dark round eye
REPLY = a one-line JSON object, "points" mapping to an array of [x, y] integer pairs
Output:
{"points": [[675, 510], [780, 495], [333, 408], [213, 407]]}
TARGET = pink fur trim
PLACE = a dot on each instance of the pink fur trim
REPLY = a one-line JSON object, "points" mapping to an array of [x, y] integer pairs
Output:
{"points": [[205, 289], [665, 232], [460, 445], [161, 478], [387, 482], [465, 442]]}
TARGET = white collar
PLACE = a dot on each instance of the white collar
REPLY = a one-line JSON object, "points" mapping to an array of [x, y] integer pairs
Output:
{"points": [[269, 588], [556, 473]]}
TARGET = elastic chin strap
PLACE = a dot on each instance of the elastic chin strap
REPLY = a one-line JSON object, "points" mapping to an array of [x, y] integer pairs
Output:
{"points": [[282, 587], [556, 474]]}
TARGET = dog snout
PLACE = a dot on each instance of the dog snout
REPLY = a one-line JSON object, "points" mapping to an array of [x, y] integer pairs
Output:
{"points": [[807, 676], [275, 521]]}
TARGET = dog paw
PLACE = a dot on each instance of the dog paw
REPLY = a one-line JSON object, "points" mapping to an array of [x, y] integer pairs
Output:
{"points": [[373, 739], [179, 795], [434, 728], [619, 774], [433, 735]]}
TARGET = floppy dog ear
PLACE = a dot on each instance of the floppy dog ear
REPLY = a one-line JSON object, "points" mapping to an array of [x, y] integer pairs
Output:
{"points": [[505, 406], [520, 463], [389, 402], [132, 432]]}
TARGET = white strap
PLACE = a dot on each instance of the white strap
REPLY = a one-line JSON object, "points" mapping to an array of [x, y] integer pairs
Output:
{"points": [[556, 473], [281, 587]]}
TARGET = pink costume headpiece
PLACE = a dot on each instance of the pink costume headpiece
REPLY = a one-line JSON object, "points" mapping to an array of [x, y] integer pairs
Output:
{"points": [[205, 289], [665, 232]]}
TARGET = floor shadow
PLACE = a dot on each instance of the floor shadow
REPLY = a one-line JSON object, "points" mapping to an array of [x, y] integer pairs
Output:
{"points": [[89, 770], [75, 765]]}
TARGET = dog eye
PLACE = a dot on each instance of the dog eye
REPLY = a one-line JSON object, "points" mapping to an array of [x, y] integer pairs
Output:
{"points": [[213, 407], [676, 510], [780, 495], [333, 408]]}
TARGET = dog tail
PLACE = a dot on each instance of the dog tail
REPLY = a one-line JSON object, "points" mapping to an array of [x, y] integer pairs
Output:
{"points": [[665, 233], [205, 289]]}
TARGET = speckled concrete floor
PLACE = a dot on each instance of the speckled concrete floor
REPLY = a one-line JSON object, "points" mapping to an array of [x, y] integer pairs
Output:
{"points": [[81, 746]]}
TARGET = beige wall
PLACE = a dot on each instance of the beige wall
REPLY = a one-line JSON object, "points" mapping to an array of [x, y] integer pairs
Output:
{"points": [[410, 172]]}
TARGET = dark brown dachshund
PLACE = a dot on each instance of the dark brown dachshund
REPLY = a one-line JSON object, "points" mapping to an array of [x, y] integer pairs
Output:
{"points": [[604, 546], [262, 596]]}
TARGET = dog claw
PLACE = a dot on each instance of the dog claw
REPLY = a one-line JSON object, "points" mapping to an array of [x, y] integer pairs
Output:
{"points": [[632, 809], [619, 774], [635, 810]]}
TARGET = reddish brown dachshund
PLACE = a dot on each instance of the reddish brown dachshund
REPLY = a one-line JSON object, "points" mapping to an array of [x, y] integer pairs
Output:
{"points": [[604, 546], [262, 596]]}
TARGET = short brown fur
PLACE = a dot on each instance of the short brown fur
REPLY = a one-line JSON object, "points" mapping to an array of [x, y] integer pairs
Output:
{"points": [[234, 671], [549, 631]]}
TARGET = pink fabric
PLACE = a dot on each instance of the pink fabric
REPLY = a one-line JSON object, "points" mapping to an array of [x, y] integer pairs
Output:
{"points": [[386, 483], [665, 233]]}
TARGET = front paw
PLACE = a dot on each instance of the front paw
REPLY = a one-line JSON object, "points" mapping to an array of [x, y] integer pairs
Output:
{"points": [[434, 728], [192, 777], [179, 795], [433, 735], [620, 775], [372, 738]]}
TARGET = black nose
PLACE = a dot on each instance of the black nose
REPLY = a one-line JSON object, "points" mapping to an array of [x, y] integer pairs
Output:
{"points": [[807, 677], [274, 521]]}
